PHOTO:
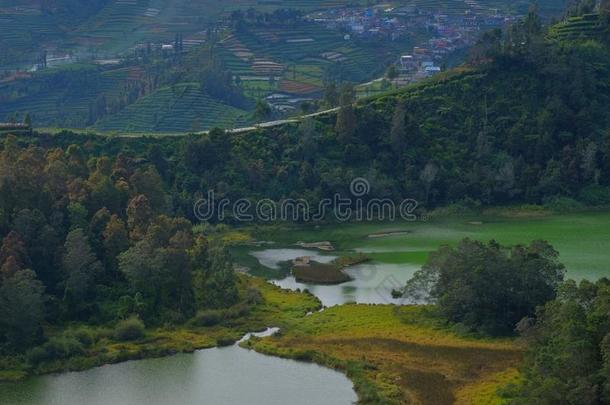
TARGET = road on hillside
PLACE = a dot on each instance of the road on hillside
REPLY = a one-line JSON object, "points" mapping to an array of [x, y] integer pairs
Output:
{"points": [[277, 123]]}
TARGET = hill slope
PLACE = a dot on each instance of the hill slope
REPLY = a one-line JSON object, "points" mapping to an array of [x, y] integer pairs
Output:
{"points": [[179, 108], [531, 126]]}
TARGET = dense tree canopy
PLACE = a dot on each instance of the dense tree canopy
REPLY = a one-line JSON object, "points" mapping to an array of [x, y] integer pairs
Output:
{"points": [[568, 359], [488, 287], [93, 239]]}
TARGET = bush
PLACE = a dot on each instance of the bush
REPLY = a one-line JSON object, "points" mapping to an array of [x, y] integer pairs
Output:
{"points": [[129, 329], [105, 333], [306, 355], [595, 195], [85, 336], [562, 204], [461, 208], [254, 296], [59, 347], [225, 341], [237, 311], [36, 355], [208, 318]]}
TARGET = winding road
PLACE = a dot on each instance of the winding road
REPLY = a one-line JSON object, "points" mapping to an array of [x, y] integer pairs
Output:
{"points": [[277, 123]]}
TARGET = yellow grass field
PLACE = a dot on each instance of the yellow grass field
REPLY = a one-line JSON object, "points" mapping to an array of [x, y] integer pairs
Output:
{"points": [[398, 355]]}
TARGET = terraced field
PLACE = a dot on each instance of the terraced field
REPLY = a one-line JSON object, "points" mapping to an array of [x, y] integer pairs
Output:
{"points": [[114, 80], [66, 103], [179, 108], [586, 26], [22, 29], [299, 56], [116, 26], [121, 23], [458, 7]]}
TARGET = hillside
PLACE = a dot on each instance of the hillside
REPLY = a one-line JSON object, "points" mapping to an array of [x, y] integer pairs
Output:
{"points": [[179, 108], [93, 64], [530, 126], [109, 26], [587, 26]]}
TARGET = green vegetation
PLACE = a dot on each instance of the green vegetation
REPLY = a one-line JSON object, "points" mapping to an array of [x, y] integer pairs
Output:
{"points": [[508, 132], [396, 354], [100, 262], [567, 356], [129, 329], [587, 26], [153, 91], [487, 287], [78, 347], [179, 108], [91, 241], [453, 7]]}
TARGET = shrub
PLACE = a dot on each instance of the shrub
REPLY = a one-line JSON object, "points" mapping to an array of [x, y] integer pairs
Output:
{"points": [[306, 355], [461, 208], [595, 195], [562, 204], [63, 347], [85, 336], [58, 347], [170, 318], [225, 341], [129, 329], [105, 333], [237, 311], [208, 318], [254, 296]]}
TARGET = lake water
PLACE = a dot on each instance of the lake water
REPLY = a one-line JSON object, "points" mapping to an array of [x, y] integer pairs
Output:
{"points": [[219, 376], [372, 283]]}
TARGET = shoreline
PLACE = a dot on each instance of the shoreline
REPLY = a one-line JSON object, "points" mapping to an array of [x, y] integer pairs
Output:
{"points": [[280, 308], [371, 381]]}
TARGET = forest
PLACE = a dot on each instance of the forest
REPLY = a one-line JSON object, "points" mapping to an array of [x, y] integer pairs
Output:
{"points": [[92, 240]]}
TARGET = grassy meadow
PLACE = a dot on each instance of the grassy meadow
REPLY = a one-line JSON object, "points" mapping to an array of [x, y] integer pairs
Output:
{"points": [[400, 354]]}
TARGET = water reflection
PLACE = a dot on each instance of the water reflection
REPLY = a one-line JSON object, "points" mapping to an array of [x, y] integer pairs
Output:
{"points": [[372, 282]]}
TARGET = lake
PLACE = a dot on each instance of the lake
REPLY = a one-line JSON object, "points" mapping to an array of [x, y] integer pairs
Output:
{"points": [[398, 249], [219, 376], [372, 282], [582, 239]]}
